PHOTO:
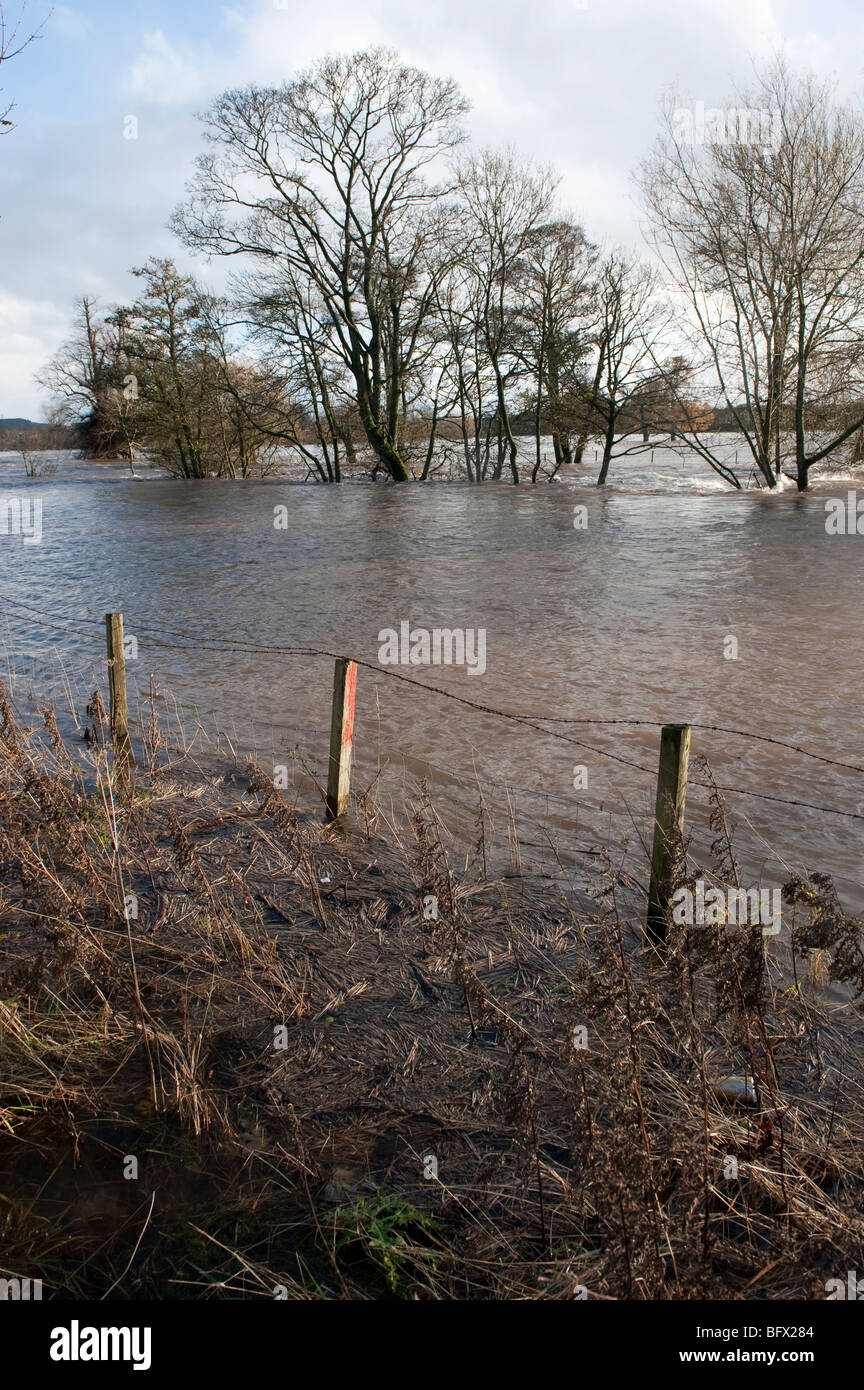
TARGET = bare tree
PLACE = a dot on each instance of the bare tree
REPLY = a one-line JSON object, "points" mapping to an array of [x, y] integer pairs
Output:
{"points": [[170, 338], [162, 376], [204, 408], [458, 314], [276, 396], [90, 385], [326, 177], [628, 333], [504, 202], [557, 293], [12, 42], [288, 318], [763, 234]]}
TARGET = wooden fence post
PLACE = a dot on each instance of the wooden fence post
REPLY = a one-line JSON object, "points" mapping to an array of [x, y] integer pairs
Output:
{"points": [[341, 737], [668, 823], [124, 759]]}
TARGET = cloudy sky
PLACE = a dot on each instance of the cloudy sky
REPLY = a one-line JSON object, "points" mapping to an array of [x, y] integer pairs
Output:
{"points": [[573, 82]]}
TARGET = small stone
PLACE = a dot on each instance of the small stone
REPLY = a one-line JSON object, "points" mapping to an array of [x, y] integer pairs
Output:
{"points": [[737, 1089]]}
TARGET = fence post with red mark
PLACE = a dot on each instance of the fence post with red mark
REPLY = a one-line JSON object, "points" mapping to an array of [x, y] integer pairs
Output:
{"points": [[341, 737]]}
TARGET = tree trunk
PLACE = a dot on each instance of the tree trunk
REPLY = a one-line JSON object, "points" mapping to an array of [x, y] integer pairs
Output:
{"points": [[802, 467], [608, 446], [385, 451]]}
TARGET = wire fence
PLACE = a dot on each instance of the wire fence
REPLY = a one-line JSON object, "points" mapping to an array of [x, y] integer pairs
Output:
{"points": [[167, 637]]}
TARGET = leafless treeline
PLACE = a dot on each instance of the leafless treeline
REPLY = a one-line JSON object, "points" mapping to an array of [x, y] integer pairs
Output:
{"points": [[399, 295]]}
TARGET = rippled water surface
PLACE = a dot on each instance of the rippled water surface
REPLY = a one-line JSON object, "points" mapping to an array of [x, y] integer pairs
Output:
{"points": [[628, 618]]}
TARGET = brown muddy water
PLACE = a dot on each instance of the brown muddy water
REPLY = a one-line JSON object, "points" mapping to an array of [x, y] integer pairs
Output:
{"points": [[628, 617]]}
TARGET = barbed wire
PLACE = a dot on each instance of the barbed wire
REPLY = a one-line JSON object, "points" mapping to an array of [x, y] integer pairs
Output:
{"points": [[266, 649], [535, 722]]}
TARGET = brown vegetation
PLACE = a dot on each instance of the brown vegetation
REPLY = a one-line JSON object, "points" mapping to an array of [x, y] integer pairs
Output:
{"points": [[307, 1167]]}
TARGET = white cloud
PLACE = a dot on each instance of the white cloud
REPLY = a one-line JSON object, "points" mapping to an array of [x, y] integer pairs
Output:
{"points": [[575, 87], [162, 74], [29, 331]]}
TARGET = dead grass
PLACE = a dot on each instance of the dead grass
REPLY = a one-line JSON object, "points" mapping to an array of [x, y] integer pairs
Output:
{"points": [[331, 1092]]}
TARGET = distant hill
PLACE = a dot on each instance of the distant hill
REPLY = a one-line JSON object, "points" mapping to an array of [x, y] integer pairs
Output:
{"points": [[17, 433]]}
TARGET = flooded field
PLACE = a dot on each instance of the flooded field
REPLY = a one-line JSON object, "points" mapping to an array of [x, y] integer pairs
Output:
{"points": [[671, 599]]}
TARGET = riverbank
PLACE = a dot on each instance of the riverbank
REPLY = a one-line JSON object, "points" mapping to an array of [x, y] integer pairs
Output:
{"points": [[245, 1053]]}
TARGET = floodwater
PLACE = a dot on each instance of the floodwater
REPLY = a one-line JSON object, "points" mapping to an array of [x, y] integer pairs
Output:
{"points": [[678, 600]]}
